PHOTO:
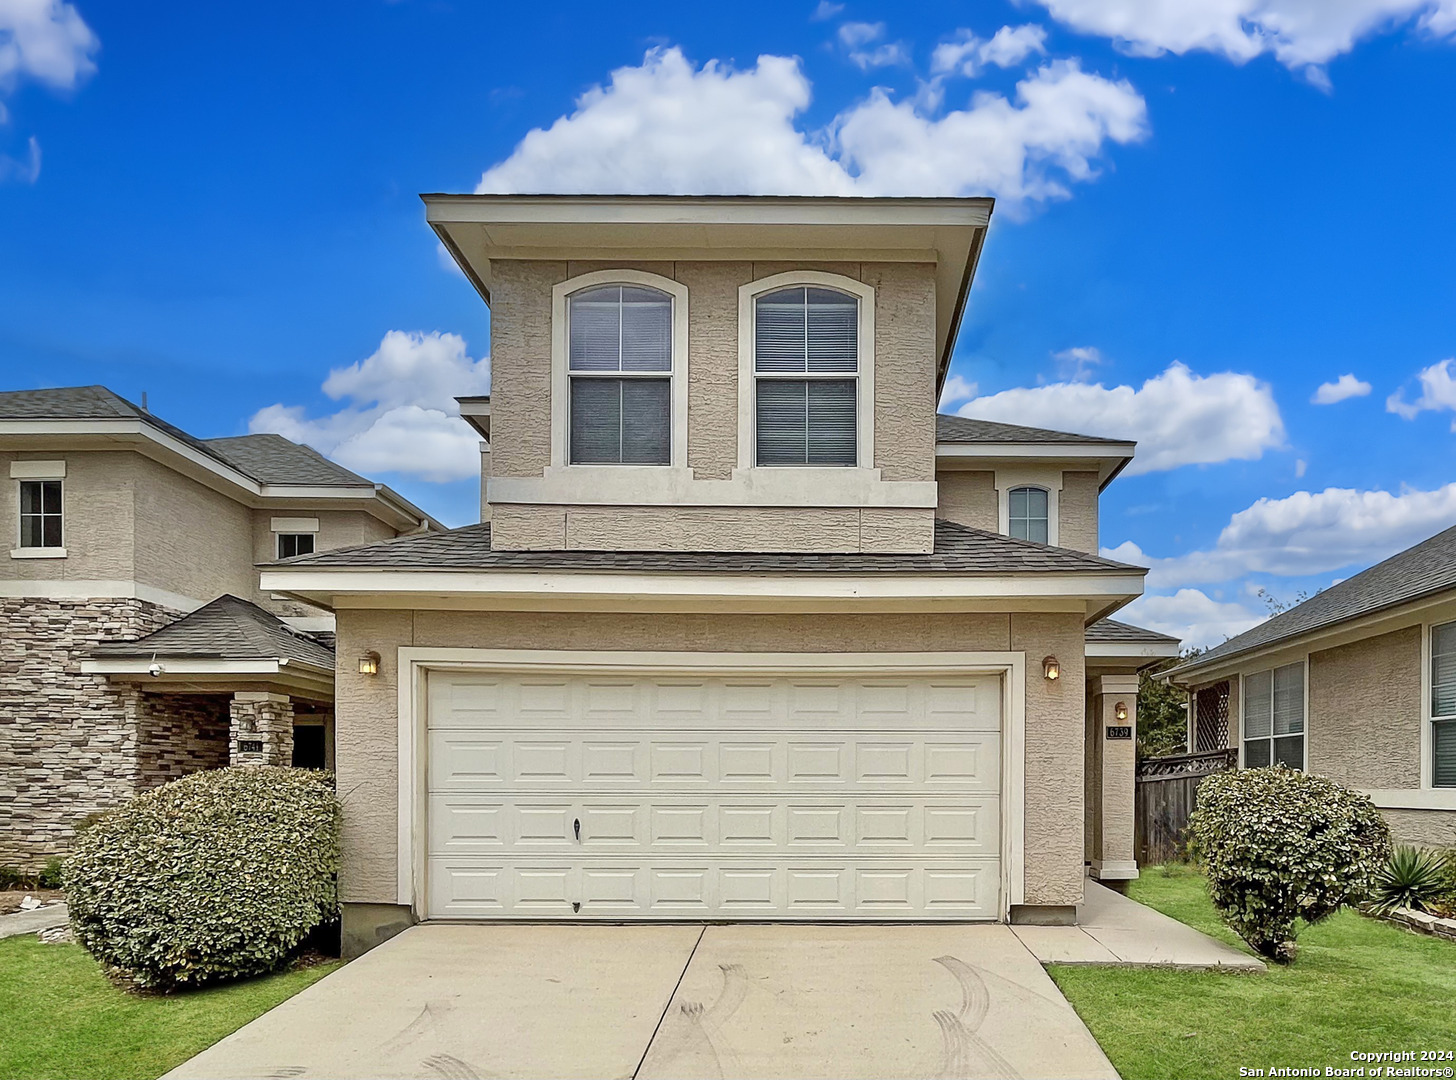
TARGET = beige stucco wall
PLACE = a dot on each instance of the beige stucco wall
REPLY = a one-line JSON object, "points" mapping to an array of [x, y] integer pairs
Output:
{"points": [[191, 539], [1077, 511], [367, 724], [968, 498], [98, 511], [711, 528], [904, 370], [337, 529], [1365, 711], [1432, 828]]}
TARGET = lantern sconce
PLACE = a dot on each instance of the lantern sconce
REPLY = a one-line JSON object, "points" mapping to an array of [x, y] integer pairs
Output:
{"points": [[1120, 711], [1051, 667], [369, 663]]}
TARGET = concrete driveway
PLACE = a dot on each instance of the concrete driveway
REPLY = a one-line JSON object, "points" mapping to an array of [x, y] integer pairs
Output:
{"points": [[451, 1002]]}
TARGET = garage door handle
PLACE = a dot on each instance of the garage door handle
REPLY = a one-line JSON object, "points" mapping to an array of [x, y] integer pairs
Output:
{"points": [[576, 826]]}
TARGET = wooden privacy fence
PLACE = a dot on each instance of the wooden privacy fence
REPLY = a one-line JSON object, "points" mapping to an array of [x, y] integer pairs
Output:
{"points": [[1167, 792]]}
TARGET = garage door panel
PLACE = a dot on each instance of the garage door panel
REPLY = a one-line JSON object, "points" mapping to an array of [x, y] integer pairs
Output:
{"points": [[677, 796], [876, 889], [680, 824], [469, 760]]}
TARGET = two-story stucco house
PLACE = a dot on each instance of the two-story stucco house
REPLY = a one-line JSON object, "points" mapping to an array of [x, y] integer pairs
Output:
{"points": [[1357, 683], [135, 643], [747, 630]]}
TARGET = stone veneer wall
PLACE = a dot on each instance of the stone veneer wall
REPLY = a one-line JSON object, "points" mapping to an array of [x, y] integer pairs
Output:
{"points": [[68, 741], [180, 734]]}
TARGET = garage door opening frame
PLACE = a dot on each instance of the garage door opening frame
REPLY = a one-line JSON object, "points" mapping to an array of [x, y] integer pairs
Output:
{"points": [[416, 663]]}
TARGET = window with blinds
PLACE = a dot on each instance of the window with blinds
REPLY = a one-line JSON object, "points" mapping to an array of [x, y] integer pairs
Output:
{"points": [[1027, 517], [1443, 705], [1274, 717], [806, 374], [619, 363]]}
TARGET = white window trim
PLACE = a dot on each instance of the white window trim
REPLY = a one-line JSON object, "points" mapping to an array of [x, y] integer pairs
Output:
{"points": [[37, 470], [20, 551], [1428, 718], [561, 379], [1244, 707], [295, 524], [1049, 479], [747, 375]]}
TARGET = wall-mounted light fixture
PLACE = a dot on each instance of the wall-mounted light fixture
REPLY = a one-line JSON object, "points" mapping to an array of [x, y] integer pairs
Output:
{"points": [[1051, 667], [369, 663], [1120, 711]]}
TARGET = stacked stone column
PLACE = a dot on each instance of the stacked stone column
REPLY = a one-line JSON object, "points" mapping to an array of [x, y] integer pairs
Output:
{"points": [[260, 731]]}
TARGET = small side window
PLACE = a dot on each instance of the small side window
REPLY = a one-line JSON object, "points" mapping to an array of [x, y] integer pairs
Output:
{"points": [[291, 544], [40, 514], [1027, 517]]}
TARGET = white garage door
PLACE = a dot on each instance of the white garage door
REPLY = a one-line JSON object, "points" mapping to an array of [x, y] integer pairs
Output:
{"points": [[721, 797]]}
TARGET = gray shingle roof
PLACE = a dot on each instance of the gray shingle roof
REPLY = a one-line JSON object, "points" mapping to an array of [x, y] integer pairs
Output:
{"points": [[963, 429], [267, 459], [958, 550], [1413, 574], [272, 459], [1112, 631], [226, 629]]}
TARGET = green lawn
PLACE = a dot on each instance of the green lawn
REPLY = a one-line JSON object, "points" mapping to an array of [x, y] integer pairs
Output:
{"points": [[1357, 984], [60, 1017]]}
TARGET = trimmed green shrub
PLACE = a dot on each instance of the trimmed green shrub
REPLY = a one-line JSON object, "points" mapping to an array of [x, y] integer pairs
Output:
{"points": [[1281, 845], [50, 874], [215, 876], [1414, 878]]}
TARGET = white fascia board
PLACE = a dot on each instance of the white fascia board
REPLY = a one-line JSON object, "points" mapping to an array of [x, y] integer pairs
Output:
{"points": [[1020, 451], [128, 666], [1131, 650], [124, 428], [828, 586]]}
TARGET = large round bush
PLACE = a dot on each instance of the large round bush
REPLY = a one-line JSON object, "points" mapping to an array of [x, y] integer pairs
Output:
{"points": [[1282, 845], [218, 875]]}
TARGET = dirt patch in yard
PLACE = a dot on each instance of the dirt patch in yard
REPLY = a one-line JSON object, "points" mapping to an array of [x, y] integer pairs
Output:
{"points": [[10, 898]]}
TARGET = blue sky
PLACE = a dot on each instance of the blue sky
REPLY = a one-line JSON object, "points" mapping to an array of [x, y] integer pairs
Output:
{"points": [[1206, 211]]}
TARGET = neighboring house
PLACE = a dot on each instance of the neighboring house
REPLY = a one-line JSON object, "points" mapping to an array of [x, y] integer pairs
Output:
{"points": [[1358, 683], [751, 632], [135, 643]]}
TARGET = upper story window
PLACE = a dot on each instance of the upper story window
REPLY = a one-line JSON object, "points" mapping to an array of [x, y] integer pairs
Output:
{"points": [[291, 544], [40, 514], [1443, 705], [806, 377], [619, 370], [1028, 514], [1274, 717]]}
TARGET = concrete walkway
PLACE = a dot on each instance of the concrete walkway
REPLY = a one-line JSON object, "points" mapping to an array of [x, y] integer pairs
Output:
{"points": [[1115, 930], [30, 922], [458, 1002]]}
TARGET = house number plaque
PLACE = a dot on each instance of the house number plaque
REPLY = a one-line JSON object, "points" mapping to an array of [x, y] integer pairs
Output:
{"points": [[250, 746], [1123, 732]]}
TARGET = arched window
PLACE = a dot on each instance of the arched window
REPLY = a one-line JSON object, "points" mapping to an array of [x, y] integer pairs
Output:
{"points": [[1027, 517], [806, 377], [619, 365]]}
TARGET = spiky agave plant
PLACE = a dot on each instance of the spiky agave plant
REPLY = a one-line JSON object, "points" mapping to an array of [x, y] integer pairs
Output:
{"points": [[1413, 878]]}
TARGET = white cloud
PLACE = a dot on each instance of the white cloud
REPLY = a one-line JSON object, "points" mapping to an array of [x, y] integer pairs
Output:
{"points": [[1300, 468], [956, 389], [669, 127], [1346, 386], [966, 53], [826, 10], [857, 36], [1301, 34], [1438, 391], [1192, 616], [46, 41], [1076, 364], [26, 170], [400, 413], [1178, 418], [1304, 534]]}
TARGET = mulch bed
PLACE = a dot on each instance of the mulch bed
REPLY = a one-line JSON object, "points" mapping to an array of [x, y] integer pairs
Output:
{"points": [[10, 898]]}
